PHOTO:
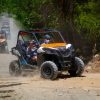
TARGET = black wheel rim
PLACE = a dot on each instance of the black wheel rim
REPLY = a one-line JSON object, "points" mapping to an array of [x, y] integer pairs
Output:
{"points": [[47, 71]]}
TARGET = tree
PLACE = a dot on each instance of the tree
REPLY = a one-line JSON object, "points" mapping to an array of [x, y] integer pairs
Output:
{"points": [[79, 20]]}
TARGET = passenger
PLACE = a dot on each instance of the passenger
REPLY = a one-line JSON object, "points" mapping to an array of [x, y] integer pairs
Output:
{"points": [[32, 51]]}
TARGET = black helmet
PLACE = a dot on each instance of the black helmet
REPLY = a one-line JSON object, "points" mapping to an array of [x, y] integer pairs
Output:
{"points": [[32, 42]]}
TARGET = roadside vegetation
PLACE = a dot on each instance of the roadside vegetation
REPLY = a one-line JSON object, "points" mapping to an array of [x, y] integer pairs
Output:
{"points": [[78, 20]]}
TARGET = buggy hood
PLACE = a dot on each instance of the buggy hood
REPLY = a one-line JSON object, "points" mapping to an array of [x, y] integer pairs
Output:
{"points": [[53, 45]]}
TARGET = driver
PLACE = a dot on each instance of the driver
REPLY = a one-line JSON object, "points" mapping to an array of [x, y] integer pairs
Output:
{"points": [[46, 39], [32, 51]]}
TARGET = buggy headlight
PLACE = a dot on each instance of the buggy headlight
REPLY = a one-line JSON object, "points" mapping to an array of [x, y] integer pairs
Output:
{"points": [[70, 47]]}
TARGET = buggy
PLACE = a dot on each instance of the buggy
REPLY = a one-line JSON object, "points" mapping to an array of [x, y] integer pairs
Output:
{"points": [[52, 58], [3, 42]]}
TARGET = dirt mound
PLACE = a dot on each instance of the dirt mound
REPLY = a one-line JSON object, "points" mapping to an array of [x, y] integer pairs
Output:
{"points": [[94, 65]]}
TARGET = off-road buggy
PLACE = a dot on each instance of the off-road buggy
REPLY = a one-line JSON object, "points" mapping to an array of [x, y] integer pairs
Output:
{"points": [[52, 58], [3, 42]]}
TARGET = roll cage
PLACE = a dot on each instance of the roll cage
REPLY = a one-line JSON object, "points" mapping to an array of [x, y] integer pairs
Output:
{"points": [[32, 35]]}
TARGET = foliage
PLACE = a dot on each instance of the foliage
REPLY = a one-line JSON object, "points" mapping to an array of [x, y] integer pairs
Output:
{"points": [[88, 19], [82, 16]]}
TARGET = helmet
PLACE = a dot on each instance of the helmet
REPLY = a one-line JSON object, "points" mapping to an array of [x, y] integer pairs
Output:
{"points": [[32, 42], [47, 36]]}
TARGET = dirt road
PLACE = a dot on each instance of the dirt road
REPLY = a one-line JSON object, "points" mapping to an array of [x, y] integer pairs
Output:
{"points": [[32, 87]]}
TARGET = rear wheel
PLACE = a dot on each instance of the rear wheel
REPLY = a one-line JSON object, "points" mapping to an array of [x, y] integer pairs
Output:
{"points": [[79, 67], [49, 70], [14, 68]]}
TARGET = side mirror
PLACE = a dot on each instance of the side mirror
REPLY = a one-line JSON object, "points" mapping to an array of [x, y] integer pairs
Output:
{"points": [[14, 51]]}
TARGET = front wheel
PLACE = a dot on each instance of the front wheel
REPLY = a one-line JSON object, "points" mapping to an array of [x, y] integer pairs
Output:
{"points": [[14, 68], [49, 70], [78, 67]]}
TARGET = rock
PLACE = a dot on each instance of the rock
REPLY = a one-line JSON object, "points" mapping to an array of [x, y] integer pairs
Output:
{"points": [[60, 94], [97, 55]]}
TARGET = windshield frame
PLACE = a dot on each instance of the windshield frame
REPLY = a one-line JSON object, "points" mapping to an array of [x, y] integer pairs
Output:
{"points": [[48, 32], [40, 32]]}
